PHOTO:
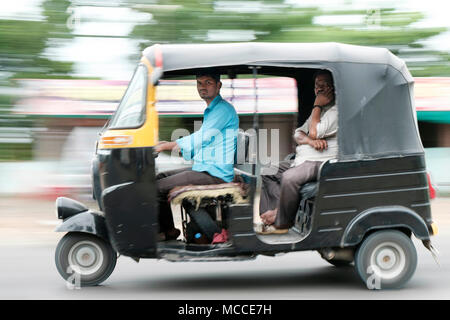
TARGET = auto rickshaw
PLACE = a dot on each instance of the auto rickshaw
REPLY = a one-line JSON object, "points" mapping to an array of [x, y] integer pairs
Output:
{"points": [[364, 208]]}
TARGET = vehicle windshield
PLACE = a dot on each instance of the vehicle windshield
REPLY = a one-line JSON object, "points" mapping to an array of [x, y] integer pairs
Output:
{"points": [[131, 111]]}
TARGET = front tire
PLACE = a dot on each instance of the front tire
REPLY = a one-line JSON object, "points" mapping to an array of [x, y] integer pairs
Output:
{"points": [[84, 258], [386, 259]]}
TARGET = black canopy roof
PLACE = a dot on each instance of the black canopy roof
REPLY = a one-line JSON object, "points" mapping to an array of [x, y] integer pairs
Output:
{"points": [[374, 89]]}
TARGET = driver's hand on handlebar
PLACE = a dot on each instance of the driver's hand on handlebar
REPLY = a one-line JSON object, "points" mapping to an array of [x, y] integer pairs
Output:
{"points": [[165, 146], [159, 147]]}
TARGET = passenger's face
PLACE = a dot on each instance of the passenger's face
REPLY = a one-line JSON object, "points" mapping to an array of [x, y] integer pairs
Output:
{"points": [[208, 88], [321, 83]]}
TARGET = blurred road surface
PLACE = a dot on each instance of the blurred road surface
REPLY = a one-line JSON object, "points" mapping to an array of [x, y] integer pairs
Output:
{"points": [[27, 270]]}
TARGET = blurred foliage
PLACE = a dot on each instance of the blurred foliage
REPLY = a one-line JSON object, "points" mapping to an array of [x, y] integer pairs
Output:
{"points": [[24, 43], [22, 55], [15, 151], [180, 21]]}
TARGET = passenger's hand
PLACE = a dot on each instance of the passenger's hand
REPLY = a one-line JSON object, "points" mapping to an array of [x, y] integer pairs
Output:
{"points": [[324, 97], [319, 144]]}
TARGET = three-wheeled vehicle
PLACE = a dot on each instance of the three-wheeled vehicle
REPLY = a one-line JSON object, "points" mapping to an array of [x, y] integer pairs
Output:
{"points": [[364, 208]]}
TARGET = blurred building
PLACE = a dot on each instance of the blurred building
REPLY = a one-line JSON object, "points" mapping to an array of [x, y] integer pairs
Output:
{"points": [[71, 113]]}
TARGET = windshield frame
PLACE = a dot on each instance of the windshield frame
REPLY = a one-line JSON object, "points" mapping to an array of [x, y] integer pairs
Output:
{"points": [[143, 105]]}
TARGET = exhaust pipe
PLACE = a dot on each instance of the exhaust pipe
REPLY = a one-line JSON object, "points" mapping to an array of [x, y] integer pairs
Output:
{"points": [[345, 254]]}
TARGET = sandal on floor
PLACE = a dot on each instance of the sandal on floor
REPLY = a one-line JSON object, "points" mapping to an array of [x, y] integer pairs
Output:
{"points": [[270, 229]]}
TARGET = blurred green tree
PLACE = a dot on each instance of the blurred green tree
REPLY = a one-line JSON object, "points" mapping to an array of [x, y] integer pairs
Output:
{"points": [[181, 21], [23, 45]]}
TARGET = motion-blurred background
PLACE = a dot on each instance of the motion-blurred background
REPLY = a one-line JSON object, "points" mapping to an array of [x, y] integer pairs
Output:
{"points": [[64, 66]]}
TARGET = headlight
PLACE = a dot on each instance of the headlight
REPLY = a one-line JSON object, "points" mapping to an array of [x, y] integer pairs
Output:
{"points": [[66, 207]]}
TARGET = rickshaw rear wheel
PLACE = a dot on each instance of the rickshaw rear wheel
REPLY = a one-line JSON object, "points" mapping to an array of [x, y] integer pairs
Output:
{"points": [[84, 259], [386, 259]]}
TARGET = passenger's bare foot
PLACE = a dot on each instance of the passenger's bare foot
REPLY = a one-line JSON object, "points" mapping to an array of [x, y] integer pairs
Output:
{"points": [[269, 217]]}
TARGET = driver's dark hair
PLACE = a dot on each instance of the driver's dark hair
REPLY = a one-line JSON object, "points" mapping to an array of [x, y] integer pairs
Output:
{"points": [[324, 72], [208, 72]]}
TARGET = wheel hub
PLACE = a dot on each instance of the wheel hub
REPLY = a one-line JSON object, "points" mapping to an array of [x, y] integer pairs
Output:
{"points": [[389, 259], [86, 257], [386, 259]]}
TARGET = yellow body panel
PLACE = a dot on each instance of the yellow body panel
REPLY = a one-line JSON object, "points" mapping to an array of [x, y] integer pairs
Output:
{"points": [[144, 136], [434, 229]]}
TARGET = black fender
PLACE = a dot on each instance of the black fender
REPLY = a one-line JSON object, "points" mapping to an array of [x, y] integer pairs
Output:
{"points": [[96, 186], [88, 221], [131, 215], [384, 218]]}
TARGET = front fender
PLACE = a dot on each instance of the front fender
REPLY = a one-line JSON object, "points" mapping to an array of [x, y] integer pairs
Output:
{"points": [[384, 218], [88, 221]]}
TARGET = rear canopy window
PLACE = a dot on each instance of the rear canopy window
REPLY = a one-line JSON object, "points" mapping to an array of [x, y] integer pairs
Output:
{"points": [[131, 111]]}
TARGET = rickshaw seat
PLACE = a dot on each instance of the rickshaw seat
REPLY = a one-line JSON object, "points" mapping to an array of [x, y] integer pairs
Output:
{"points": [[302, 218], [192, 197], [309, 190], [234, 192]]}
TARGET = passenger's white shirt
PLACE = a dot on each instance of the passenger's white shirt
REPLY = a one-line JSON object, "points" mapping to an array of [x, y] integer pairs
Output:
{"points": [[326, 129]]}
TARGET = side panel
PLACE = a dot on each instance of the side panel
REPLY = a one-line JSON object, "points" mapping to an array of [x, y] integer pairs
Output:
{"points": [[128, 182], [348, 189], [242, 231]]}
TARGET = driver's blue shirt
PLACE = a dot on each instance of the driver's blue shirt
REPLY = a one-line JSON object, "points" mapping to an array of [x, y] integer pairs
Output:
{"points": [[213, 146]]}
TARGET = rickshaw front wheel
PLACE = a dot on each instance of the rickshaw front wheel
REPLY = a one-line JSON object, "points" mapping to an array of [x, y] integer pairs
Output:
{"points": [[84, 259], [386, 259]]}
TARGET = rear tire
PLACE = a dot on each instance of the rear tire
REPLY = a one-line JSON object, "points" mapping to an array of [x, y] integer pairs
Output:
{"points": [[386, 259], [84, 259]]}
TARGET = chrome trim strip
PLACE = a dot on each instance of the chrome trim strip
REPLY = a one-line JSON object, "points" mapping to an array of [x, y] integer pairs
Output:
{"points": [[326, 213], [375, 175], [420, 205], [330, 230], [244, 234], [373, 192]]}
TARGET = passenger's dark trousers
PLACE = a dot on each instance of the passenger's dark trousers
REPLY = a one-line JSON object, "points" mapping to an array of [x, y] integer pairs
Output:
{"points": [[281, 190], [166, 181]]}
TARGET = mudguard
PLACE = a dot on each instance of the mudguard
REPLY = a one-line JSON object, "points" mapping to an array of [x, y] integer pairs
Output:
{"points": [[88, 221], [384, 218], [131, 214], [96, 186]]}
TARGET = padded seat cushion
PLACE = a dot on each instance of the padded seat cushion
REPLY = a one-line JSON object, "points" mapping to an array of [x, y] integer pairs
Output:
{"points": [[237, 190], [309, 190]]}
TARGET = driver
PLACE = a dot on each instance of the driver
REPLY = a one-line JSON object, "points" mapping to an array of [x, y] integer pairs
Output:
{"points": [[317, 142], [211, 148]]}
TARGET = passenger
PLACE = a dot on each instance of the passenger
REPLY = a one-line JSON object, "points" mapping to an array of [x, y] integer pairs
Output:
{"points": [[317, 142], [211, 148]]}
